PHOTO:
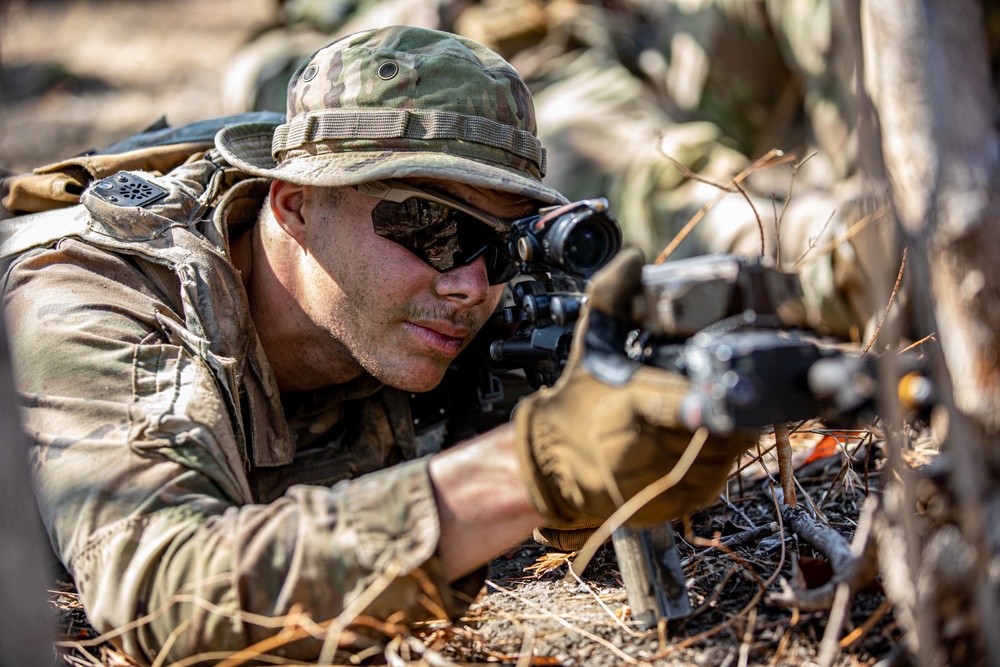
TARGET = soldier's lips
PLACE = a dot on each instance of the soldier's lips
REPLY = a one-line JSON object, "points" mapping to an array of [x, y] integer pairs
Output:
{"points": [[441, 337]]}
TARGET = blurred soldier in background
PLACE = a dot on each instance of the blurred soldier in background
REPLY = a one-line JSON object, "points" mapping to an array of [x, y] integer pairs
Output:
{"points": [[628, 90]]}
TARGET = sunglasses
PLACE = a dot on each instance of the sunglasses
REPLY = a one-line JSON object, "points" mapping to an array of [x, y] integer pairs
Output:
{"points": [[443, 232]]}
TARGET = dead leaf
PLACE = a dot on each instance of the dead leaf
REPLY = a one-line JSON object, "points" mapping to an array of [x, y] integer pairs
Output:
{"points": [[548, 563]]}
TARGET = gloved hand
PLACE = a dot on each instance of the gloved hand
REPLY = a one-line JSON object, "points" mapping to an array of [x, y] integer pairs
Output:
{"points": [[610, 427], [569, 539]]}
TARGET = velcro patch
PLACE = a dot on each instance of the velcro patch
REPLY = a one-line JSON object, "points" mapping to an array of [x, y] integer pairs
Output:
{"points": [[127, 189]]}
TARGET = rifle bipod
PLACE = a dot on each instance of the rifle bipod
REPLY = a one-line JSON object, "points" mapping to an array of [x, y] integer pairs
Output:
{"points": [[651, 570]]}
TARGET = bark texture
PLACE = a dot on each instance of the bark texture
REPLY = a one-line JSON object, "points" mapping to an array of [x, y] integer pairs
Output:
{"points": [[926, 71]]}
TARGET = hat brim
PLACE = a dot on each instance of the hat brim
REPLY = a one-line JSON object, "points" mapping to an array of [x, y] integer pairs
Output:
{"points": [[248, 147]]}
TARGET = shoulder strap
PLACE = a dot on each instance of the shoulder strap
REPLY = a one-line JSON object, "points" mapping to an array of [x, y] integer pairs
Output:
{"points": [[24, 232]]}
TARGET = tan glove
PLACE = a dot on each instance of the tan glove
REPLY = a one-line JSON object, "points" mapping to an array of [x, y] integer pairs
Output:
{"points": [[571, 539], [587, 445]]}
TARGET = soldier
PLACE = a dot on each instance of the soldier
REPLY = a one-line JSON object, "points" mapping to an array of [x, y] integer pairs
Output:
{"points": [[216, 365]]}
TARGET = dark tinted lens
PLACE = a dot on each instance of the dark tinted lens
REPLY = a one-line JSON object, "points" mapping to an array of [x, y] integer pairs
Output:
{"points": [[442, 237], [427, 229], [500, 266]]}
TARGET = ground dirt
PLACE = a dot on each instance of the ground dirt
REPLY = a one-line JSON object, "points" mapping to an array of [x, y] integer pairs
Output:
{"points": [[79, 75]]}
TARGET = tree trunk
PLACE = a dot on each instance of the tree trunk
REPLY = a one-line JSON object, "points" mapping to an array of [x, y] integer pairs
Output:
{"points": [[926, 69]]}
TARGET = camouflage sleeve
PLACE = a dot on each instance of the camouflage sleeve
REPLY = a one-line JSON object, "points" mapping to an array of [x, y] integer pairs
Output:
{"points": [[129, 448]]}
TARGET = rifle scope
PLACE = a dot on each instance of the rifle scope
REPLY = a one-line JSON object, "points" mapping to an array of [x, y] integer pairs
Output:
{"points": [[577, 238]]}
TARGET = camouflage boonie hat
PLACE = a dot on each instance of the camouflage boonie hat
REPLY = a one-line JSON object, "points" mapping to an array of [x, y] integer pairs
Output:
{"points": [[398, 102]]}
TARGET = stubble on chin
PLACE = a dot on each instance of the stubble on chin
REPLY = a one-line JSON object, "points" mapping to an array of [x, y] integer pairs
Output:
{"points": [[382, 355], [424, 370]]}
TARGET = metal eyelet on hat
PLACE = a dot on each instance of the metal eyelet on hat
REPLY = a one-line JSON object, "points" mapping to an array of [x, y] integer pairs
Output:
{"points": [[310, 73], [388, 70]]}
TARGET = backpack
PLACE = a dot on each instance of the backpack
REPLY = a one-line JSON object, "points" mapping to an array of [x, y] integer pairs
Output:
{"points": [[158, 149]]}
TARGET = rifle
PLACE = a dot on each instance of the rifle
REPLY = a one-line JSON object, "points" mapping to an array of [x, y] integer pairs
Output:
{"points": [[731, 325], [559, 249]]}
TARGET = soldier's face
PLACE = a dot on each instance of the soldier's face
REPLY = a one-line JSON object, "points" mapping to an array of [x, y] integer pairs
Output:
{"points": [[398, 318]]}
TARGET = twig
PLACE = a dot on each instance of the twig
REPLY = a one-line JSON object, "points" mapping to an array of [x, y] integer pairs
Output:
{"points": [[759, 458], [274, 622], [81, 647], [842, 473], [917, 344], [603, 606], [772, 158], [847, 235], [778, 218], [761, 587], [622, 514], [526, 650], [351, 611], [892, 297], [862, 549], [785, 470], [829, 647], [828, 494], [853, 564], [827, 540], [212, 656], [777, 223], [737, 510], [755, 459], [332, 629], [816, 511], [427, 654], [737, 540], [710, 599], [815, 240], [781, 530], [855, 636], [169, 643], [725, 188], [779, 652], [255, 651], [391, 653], [580, 631], [753, 602], [431, 599], [747, 638], [525, 653]]}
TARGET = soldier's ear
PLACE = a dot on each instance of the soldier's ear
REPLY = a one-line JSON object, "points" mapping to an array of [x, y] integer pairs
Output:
{"points": [[286, 202]]}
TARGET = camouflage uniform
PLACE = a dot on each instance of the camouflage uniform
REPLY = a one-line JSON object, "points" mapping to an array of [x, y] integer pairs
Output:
{"points": [[178, 486]]}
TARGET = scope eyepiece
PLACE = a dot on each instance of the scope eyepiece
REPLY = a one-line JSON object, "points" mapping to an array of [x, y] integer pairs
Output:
{"points": [[577, 238]]}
